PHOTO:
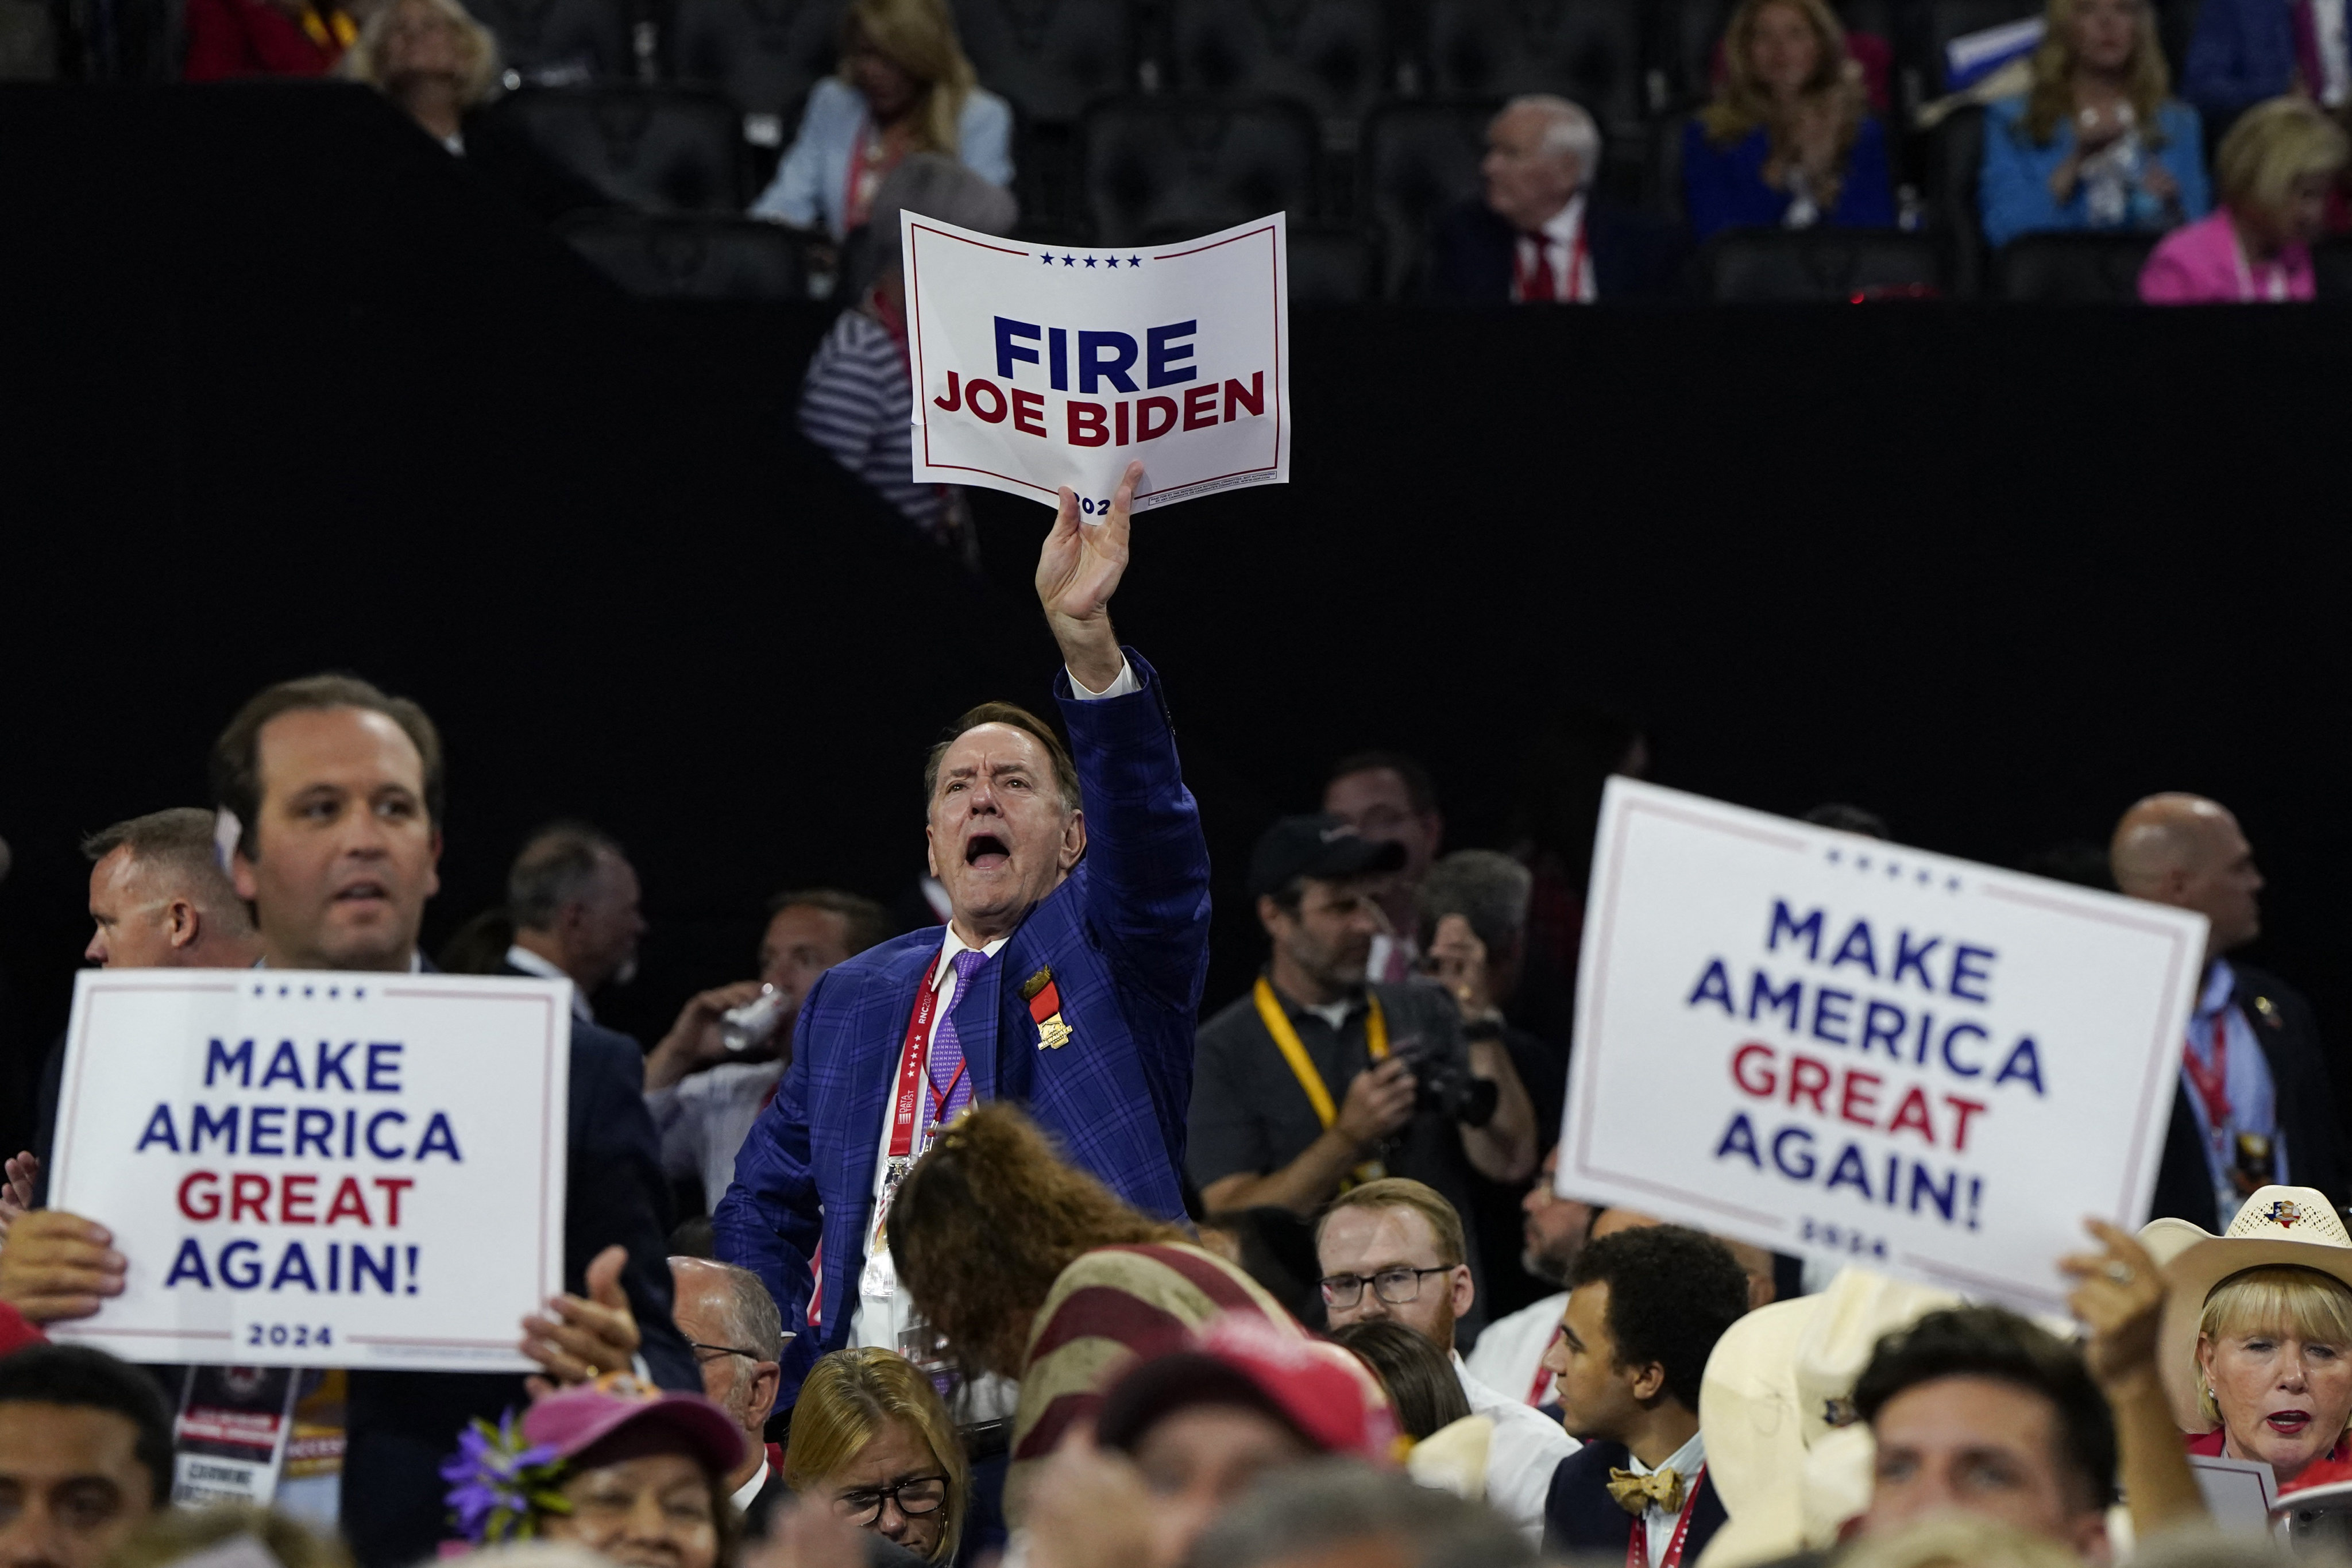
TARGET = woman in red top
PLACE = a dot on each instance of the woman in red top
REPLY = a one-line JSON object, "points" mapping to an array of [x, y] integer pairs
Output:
{"points": [[2257, 1337], [231, 38]]}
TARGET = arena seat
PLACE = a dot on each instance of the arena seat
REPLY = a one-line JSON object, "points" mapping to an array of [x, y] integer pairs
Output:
{"points": [[656, 149], [683, 257], [567, 41], [1775, 265], [1050, 57], [1591, 50], [1169, 167], [1331, 266], [763, 54], [1334, 56], [1417, 159], [1955, 154], [2072, 269]]}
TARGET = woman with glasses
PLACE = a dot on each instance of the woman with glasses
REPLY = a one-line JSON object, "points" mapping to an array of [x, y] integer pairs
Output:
{"points": [[871, 1436]]}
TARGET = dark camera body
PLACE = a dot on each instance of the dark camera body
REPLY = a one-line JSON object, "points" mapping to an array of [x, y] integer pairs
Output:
{"points": [[1443, 1083]]}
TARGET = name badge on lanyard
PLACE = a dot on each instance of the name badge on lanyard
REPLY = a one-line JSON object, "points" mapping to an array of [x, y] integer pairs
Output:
{"points": [[878, 1280]]}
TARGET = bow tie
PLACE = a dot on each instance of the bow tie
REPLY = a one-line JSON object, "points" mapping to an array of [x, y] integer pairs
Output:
{"points": [[1638, 1494]]}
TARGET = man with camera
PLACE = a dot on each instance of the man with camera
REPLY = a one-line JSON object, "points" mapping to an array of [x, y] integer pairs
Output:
{"points": [[1314, 1080]]}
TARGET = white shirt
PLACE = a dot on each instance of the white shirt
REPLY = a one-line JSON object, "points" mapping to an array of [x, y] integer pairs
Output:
{"points": [[751, 1488], [1565, 229], [1526, 1448], [530, 963], [2334, 68], [1392, 959], [1657, 1524], [703, 1118], [1509, 1353]]}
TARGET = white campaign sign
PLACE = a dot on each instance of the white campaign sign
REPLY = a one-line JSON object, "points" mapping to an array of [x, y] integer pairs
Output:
{"points": [[312, 1169], [1818, 1042], [1037, 367]]}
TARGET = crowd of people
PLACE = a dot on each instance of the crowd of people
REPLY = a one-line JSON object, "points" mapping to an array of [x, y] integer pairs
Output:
{"points": [[1011, 1250]]}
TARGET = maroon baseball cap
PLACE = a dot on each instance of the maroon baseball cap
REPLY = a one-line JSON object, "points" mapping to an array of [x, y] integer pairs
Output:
{"points": [[579, 1418], [1317, 1390]]}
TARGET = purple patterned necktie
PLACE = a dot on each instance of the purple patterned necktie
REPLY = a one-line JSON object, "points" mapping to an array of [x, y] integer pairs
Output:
{"points": [[946, 1049]]}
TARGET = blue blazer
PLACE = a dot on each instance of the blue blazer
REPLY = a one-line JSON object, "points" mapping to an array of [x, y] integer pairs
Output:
{"points": [[1723, 187], [1126, 938], [2241, 52], [1582, 1521], [2013, 185]]}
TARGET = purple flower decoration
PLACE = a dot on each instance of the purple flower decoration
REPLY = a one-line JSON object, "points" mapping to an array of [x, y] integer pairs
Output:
{"points": [[496, 1483]]}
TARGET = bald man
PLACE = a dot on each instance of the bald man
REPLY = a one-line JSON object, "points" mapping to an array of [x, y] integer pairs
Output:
{"points": [[2254, 1104]]}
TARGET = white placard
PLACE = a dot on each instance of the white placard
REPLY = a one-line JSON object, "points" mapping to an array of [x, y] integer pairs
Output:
{"points": [[1819, 1042], [1036, 367], [312, 1169], [2241, 1492]]}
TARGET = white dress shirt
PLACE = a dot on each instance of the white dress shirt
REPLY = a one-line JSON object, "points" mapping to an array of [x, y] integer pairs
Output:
{"points": [[1509, 1353], [530, 963], [751, 1488], [704, 1117], [1657, 1524], [1565, 229], [1526, 1448]]}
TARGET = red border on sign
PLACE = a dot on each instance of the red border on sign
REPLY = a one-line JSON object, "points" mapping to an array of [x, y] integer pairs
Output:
{"points": [[915, 339]]}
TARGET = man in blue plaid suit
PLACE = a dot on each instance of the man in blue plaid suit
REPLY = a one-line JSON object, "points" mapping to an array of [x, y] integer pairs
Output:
{"points": [[1068, 977]]}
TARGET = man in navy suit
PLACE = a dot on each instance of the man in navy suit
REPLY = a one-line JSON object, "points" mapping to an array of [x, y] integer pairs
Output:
{"points": [[339, 792], [1540, 234], [1644, 1309], [1067, 978]]}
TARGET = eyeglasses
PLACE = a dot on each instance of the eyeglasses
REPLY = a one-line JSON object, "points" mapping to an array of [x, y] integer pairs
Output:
{"points": [[698, 1348], [1394, 1286], [915, 1497]]}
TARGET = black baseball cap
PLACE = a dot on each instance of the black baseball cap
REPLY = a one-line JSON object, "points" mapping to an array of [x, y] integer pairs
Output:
{"points": [[1324, 847]]}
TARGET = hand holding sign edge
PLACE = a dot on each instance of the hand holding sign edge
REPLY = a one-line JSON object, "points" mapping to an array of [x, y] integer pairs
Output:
{"points": [[1078, 569], [584, 1338]]}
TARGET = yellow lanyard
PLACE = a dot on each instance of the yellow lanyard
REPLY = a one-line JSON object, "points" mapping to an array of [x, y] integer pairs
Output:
{"points": [[1302, 1066]]}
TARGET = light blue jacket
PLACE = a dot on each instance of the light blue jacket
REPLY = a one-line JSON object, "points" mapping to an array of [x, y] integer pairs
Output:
{"points": [[811, 181], [2013, 188]]}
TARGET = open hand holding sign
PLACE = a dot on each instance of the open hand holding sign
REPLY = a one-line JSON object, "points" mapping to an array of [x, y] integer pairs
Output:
{"points": [[1078, 572]]}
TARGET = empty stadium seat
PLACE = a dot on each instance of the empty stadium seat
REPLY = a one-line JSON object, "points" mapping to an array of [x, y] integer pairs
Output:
{"points": [[1417, 160], [656, 149], [1051, 58], [1756, 264], [2072, 269], [763, 54], [1330, 268], [569, 41], [1954, 153], [1334, 56], [1590, 50], [1170, 167], [693, 258]]}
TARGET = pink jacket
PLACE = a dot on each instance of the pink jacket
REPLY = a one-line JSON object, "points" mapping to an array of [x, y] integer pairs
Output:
{"points": [[2201, 264]]}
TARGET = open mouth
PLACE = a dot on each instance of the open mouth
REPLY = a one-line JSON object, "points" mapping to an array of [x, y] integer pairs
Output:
{"points": [[363, 892], [2288, 1422], [986, 852]]}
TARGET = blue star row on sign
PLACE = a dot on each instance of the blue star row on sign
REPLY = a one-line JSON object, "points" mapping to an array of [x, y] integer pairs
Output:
{"points": [[1048, 258]]}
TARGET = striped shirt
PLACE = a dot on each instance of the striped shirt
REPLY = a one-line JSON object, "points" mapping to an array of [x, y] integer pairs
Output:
{"points": [[1109, 1309], [857, 403]]}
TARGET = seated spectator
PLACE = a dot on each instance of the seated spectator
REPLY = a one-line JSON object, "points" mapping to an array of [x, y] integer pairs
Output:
{"points": [[1393, 1250], [1031, 1269], [1644, 1309], [1789, 141], [179, 1533], [732, 1324], [2274, 169], [1415, 1375], [704, 1097], [231, 38], [903, 87], [2243, 51], [641, 1482], [860, 393], [1183, 1436], [1540, 234], [432, 58], [2096, 142], [85, 1455], [1326, 1514], [872, 1438]]}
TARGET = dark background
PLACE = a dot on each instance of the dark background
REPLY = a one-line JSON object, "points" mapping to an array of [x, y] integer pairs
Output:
{"points": [[284, 387]]}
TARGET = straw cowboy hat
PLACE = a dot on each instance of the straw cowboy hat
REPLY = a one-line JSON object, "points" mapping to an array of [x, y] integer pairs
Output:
{"points": [[2294, 1226], [1776, 1408]]}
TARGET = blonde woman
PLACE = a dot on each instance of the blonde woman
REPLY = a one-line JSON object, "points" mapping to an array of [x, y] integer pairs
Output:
{"points": [[1789, 141], [872, 1438], [2098, 141], [431, 59], [2274, 169], [903, 87]]}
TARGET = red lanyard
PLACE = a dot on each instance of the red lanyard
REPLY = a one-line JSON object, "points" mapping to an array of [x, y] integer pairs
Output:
{"points": [[906, 1106], [2212, 1083], [1637, 1547], [1542, 1385]]}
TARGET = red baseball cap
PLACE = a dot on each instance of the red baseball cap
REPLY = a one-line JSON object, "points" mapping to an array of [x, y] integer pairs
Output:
{"points": [[1318, 1390], [579, 1418]]}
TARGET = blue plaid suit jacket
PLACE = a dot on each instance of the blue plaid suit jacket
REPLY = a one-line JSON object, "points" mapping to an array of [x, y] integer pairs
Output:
{"points": [[1126, 937]]}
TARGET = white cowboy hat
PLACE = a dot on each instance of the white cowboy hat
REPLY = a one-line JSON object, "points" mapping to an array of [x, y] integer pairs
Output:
{"points": [[2293, 1226]]}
